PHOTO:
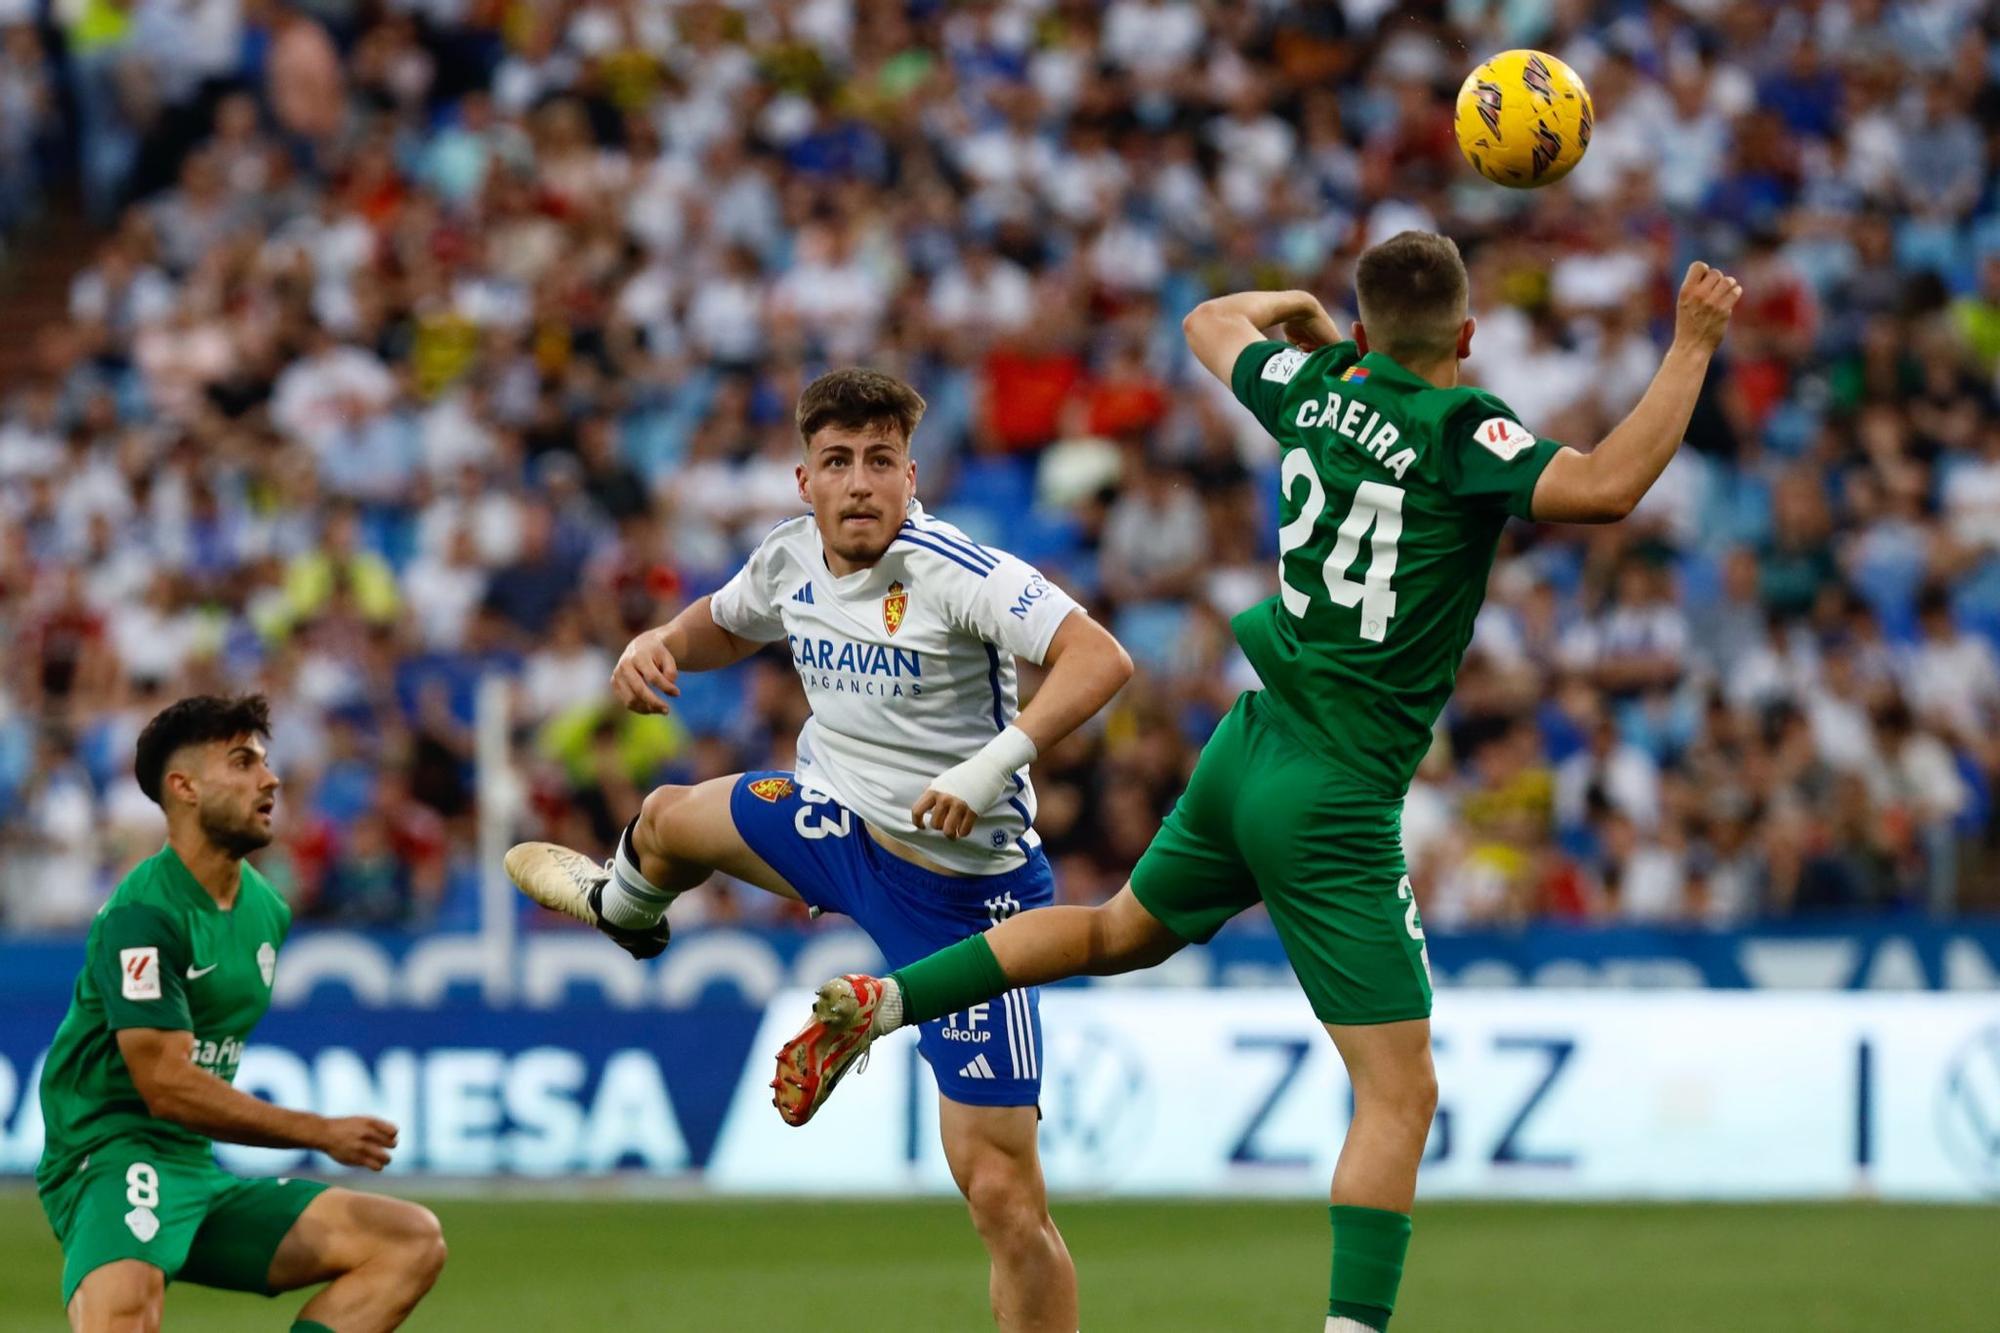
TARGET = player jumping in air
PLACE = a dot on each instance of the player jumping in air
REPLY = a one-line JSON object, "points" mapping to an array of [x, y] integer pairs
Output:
{"points": [[136, 1089], [1397, 482], [910, 809]]}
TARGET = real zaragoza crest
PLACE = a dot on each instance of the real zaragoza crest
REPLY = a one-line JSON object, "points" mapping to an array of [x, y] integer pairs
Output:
{"points": [[771, 789], [894, 606]]}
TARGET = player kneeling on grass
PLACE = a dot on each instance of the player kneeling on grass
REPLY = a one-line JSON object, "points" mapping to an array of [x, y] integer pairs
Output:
{"points": [[910, 809], [1397, 482], [136, 1089]]}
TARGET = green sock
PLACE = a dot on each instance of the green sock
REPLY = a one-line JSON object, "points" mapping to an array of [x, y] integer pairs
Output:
{"points": [[949, 980], [1368, 1249], [309, 1326]]}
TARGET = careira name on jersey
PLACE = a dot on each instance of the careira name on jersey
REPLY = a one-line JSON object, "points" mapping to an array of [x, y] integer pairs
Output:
{"points": [[1373, 435]]}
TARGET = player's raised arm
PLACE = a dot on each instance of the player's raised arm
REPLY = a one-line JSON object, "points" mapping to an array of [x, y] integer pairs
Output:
{"points": [[1605, 484], [648, 671], [1220, 328], [178, 1090]]}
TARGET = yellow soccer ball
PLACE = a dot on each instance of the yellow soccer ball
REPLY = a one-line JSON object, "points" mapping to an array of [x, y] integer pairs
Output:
{"points": [[1523, 119]]}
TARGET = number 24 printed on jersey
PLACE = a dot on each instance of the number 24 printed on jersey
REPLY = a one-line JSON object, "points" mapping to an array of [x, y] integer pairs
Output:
{"points": [[1377, 514]]}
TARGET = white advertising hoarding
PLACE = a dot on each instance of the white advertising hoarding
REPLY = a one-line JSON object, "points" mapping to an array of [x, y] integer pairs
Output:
{"points": [[1543, 1094]]}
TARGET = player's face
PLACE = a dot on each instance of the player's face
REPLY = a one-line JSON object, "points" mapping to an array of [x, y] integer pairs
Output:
{"points": [[235, 794], [859, 483]]}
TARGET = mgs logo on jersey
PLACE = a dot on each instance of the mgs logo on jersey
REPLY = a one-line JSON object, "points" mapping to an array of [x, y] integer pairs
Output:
{"points": [[894, 607], [771, 789]]}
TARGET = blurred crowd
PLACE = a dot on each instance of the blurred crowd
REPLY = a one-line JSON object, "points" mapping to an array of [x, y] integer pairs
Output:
{"points": [[433, 342]]}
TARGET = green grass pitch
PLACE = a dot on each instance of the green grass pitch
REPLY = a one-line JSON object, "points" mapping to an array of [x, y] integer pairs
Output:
{"points": [[696, 1264]]}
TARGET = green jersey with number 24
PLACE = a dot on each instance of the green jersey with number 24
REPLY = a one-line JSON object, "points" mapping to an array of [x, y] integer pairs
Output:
{"points": [[1395, 492]]}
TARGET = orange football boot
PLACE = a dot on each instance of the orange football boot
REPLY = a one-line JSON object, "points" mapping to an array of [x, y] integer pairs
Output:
{"points": [[837, 1039]]}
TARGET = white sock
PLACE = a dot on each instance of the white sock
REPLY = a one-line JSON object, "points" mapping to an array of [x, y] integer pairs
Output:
{"points": [[1342, 1324], [889, 1013], [631, 901]]}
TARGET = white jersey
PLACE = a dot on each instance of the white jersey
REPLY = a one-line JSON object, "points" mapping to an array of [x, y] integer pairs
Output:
{"points": [[909, 667]]}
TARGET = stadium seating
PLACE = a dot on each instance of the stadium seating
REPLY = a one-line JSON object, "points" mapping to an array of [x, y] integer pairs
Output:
{"points": [[526, 292]]}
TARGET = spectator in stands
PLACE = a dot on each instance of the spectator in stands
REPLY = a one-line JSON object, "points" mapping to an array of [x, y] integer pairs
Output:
{"points": [[461, 345]]}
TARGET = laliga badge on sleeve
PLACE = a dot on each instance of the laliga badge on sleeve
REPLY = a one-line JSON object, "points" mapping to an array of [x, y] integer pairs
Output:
{"points": [[141, 973]]}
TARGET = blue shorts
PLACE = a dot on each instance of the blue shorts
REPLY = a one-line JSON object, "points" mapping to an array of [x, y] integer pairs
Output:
{"points": [[988, 1055]]}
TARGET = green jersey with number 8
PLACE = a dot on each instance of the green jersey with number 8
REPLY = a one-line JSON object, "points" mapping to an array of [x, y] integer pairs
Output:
{"points": [[161, 954], [1394, 495]]}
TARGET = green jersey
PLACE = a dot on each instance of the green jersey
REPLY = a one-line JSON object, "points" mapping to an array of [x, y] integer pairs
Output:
{"points": [[1395, 492], [160, 954]]}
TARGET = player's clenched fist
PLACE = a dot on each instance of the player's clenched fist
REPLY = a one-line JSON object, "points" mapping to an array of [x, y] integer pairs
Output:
{"points": [[952, 816], [1708, 295], [952, 803], [359, 1140], [646, 671]]}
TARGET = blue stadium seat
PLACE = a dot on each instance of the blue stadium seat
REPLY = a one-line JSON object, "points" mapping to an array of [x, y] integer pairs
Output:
{"points": [[1976, 602], [1004, 484], [709, 699], [1150, 632]]}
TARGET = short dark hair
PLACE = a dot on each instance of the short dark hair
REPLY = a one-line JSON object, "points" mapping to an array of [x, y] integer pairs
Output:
{"points": [[856, 398], [1412, 292], [195, 721]]}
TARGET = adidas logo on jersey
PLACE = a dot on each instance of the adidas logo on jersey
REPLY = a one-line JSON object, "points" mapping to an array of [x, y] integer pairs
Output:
{"points": [[804, 594], [977, 1068]]}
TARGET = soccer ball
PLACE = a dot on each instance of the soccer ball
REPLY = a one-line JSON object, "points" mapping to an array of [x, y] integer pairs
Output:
{"points": [[1523, 119]]}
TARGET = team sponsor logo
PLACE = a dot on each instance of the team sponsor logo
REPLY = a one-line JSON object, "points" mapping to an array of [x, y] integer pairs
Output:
{"points": [[1036, 589], [894, 607], [1503, 438], [1355, 375], [217, 1057], [1547, 148], [1538, 80], [771, 789], [141, 969], [976, 1029], [1283, 365], [1486, 97], [267, 962]]}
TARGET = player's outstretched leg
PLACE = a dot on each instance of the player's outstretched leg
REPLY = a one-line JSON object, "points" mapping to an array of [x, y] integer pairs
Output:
{"points": [[565, 880], [1375, 1180], [1047, 944], [681, 837]]}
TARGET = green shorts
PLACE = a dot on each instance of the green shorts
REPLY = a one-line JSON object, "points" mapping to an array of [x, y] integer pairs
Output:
{"points": [[191, 1220], [1266, 819]]}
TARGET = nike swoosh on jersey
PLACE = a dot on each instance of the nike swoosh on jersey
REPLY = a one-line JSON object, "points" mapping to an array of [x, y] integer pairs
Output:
{"points": [[194, 972]]}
